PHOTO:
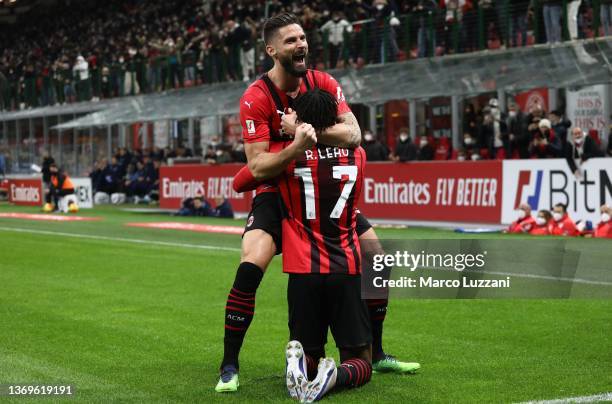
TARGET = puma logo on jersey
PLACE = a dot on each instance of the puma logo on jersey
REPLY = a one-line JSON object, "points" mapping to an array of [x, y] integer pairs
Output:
{"points": [[248, 104]]}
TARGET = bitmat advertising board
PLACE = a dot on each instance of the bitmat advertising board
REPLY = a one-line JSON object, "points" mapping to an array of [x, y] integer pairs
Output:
{"points": [[544, 183]]}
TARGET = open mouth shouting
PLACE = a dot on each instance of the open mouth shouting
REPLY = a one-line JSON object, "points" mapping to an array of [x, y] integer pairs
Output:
{"points": [[299, 60]]}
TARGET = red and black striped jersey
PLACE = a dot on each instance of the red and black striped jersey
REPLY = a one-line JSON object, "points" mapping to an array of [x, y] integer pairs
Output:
{"points": [[319, 192], [263, 104]]}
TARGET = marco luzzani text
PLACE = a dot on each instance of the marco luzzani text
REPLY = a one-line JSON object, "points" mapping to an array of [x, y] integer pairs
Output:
{"points": [[427, 261]]}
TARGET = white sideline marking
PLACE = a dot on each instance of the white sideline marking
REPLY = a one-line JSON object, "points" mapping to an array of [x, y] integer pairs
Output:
{"points": [[233, 249], [548, 278], [583, 399], [128, 240]]}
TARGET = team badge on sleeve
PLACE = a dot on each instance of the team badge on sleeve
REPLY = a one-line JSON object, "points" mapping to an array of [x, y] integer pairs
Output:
{"points": [[250, 126]]}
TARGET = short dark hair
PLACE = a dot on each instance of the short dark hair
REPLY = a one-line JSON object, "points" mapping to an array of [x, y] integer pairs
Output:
{"points": [[318, 108], [273, 24], [562, 206]]}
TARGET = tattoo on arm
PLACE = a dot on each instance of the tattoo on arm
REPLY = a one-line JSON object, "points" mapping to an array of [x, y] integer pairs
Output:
{"points": [[350, 120]]}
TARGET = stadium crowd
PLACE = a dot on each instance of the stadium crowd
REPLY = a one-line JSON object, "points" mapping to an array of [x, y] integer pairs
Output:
{"points": [[135, 46], [492, 134]]}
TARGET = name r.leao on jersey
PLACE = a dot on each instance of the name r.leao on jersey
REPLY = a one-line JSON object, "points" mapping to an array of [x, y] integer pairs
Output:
{"points": [[326, 153]]}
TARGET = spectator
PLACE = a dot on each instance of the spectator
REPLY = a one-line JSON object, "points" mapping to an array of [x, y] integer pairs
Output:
{"points": [[494, 132], [237, 38], [111, 178], [375, 150], [199, 206], [425, 10], [470, 120], [96, 174], [335, 30], [3, 90], [519, 10], [606, 16], [559, 125], [579, 149], [524, 223], [517, 130], [572, 18], [405, 149], [461, 155], [247, 54], [137, 185], [81, 74], [544, 224], [604, 228], [552, 19], [545, 144], [425, 151], [564, 226]]}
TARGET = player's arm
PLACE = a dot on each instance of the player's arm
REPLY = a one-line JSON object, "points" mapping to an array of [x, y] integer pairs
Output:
{"points": [[264, 165], [346, 133]]}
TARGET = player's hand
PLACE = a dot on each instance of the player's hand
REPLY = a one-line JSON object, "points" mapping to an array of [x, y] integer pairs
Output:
{"points": [[305, 137], [288, 122]]}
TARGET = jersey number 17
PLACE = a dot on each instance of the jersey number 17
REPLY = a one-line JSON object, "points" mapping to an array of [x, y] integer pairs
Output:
{"points": [[309, 190]]}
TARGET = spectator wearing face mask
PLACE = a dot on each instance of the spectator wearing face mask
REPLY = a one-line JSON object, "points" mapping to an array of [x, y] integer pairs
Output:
{"points": [[564, 225], [544, 224], [545, 143], [579, 149], [405, 149], [375, 151], [425, 151], [604, 228], [517, 131], [525, 221]]}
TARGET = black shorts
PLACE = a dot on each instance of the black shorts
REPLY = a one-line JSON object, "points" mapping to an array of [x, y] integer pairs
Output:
{"points": [[266, 215], [362, 224], [318, 302]]}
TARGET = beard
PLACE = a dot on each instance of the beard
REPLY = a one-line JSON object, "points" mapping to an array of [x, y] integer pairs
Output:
{"points": [[289, 66]]}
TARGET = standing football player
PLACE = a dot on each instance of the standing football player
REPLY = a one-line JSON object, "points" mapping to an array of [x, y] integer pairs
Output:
{"points": [[268, 127]]}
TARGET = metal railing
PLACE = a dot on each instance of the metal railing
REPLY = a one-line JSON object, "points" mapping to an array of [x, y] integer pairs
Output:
{"points": [[423, 33]]}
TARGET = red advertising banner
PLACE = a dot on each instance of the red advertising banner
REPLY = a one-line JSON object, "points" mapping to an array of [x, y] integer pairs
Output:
{"points": [[25, 191], [210, 181], [529, 99], [434, 191]]}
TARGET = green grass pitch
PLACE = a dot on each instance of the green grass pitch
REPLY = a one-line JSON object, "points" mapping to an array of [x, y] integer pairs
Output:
{"points": [[127, 321]]}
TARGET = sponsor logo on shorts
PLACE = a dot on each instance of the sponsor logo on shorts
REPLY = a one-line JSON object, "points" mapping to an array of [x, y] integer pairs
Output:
{"points": [[250, 221]]}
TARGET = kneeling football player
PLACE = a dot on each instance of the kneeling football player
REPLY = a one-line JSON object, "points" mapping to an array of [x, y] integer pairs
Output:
{"points": [[321, 253]]}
